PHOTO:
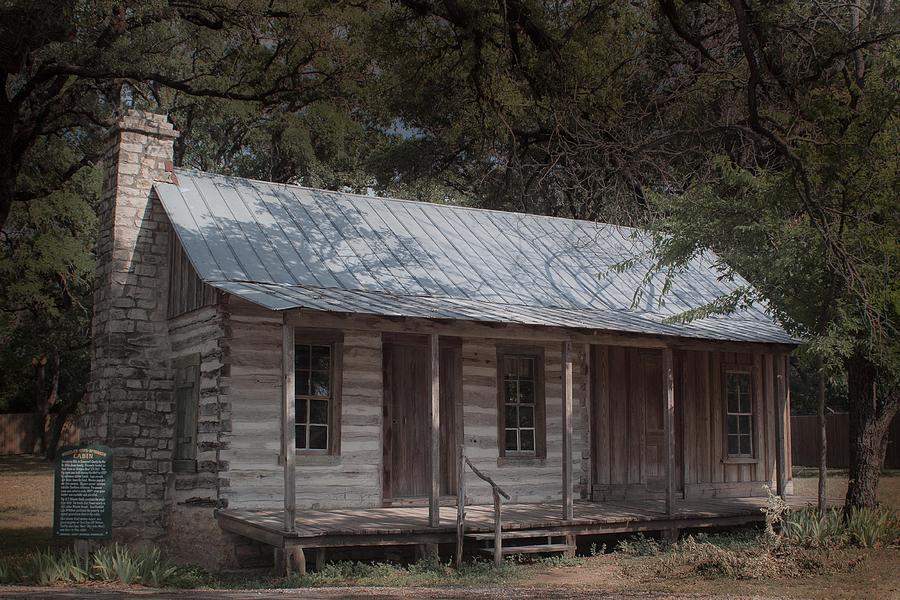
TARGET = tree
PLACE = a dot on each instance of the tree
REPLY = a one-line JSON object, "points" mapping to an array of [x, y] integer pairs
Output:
{"points": [[530, 106], [47, 266], [810, 213], [69, 65]]}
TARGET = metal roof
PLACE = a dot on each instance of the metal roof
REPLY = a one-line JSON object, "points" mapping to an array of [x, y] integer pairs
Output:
{"points": [[284, 247]]}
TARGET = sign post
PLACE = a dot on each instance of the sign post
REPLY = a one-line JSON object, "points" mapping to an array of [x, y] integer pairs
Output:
{"points": [[82, 493]]}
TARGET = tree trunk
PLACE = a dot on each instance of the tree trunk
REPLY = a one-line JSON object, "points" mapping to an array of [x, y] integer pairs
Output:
{"points": [[40, 402], [823, 441], [57, 424], [869, 423], [48, 405]]}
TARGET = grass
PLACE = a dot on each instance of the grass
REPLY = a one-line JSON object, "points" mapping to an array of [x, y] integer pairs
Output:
{"points": [[806, 483], [427, 573]]}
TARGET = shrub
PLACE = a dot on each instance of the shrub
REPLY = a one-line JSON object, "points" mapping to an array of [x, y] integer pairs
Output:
{"points": [[807, 527], [869, 528], [108, 563], [44, 567]]}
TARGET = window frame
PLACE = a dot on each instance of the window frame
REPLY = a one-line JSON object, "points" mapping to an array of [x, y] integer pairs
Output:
{"points": [[186, 464], [748, 371], [335, 341], [540, 414]]}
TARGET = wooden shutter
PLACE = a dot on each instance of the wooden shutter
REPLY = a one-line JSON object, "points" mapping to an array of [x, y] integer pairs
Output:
{"points": [[187, 399]]}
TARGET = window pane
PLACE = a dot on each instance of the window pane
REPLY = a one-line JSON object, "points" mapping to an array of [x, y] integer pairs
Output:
{"points": [[300, 433], [515, 367], [745, 445], [526, 369], [526, 416], [731, 384], [301, 356], [321, 357], [319, 384], [300, 410], [318, 412], [511, 411], [512, 439], [318, 437], [745, 403], [733, 446], [526, 392], [733, 403], [732, 424], [301, 382], [527, 436], [743, 384], [744, 424], [510, 368], [510, 389]]}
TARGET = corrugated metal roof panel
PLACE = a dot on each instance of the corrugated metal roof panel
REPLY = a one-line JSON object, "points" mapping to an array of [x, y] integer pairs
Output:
{"points": [[290, 247]]}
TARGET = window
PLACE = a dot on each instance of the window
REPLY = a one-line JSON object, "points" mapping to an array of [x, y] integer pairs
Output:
{"points": [[520, 381], [187, 399], [316, 392], [739, 413]]}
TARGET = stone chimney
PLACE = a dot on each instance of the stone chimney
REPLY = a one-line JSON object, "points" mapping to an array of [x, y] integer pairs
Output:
{"points": [[129, 406]]}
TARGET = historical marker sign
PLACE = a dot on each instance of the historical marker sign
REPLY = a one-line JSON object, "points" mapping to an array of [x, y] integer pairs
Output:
{"points": [[82, 493]]}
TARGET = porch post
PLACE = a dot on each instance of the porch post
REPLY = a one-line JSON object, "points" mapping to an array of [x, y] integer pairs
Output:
{"points": [[288, 445], [780, 404], [669, 427], [434, 463], [568, 513]]}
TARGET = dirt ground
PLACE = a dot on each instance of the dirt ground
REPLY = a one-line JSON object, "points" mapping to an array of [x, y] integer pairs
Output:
{"points": [[26, 503]]}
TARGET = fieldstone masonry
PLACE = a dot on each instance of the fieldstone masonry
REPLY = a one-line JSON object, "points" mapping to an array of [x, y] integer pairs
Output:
{"points": [[130, 406]]}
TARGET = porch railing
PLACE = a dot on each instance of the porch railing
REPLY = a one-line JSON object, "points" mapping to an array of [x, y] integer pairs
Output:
{"points": [[496, 491]]}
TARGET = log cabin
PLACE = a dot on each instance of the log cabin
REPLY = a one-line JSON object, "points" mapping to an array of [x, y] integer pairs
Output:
{"points": [[279, 367]]}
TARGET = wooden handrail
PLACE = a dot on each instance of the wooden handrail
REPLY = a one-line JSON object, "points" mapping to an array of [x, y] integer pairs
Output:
{"points": [[496, 492], [486, 478]]}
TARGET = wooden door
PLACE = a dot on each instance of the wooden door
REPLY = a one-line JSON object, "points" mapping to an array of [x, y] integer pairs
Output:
{"points": [[651, 393], [407, 427]]}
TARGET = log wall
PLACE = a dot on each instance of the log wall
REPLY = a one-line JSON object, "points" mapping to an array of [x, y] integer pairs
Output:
{"points": [[702, 467], [253, 356], [253, 359], [197, 336]]}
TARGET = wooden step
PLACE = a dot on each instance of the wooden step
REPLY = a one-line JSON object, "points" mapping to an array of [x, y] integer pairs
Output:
{"points": [[515, 534], [536, 549]]}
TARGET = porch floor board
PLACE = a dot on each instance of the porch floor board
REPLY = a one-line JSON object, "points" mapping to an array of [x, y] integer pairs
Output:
{"points": [[409, 524]]}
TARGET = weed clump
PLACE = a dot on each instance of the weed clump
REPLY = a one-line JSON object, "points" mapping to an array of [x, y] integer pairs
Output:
{"points": [[640, 545]]}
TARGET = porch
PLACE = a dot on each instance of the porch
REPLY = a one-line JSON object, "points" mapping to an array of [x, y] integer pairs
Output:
{"points": [[409, 525]]}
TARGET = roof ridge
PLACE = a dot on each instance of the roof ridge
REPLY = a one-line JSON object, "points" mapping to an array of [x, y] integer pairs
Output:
{"points": [[407, 200]]}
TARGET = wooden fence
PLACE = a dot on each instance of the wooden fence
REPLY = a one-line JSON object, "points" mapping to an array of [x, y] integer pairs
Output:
{"points": [[20, 433], [805, 442]]}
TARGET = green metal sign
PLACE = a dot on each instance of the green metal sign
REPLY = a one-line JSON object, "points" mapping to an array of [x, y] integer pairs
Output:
{"points": [[82, 492]]}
